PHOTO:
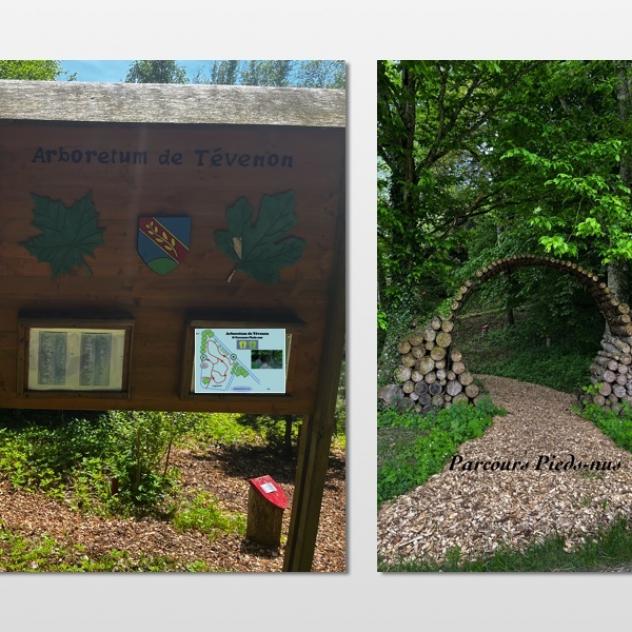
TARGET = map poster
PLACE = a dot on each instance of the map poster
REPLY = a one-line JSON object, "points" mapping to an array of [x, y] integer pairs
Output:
{"points": [[239, 361]]}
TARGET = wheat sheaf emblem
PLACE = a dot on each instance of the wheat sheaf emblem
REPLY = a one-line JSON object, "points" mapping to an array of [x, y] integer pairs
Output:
{"points": [[161, 237]]}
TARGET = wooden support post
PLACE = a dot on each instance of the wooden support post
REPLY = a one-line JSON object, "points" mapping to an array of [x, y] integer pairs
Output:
{"points": [[318, 428]]}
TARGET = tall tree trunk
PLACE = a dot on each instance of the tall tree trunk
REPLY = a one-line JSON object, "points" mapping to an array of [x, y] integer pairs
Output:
{"points": [[409, 116], [511, 286], [618, 279], [388, 355], [287, 439], [403, 201], [511, 320], [618, 270], [403, 170], [381, 287], [512, 292]]}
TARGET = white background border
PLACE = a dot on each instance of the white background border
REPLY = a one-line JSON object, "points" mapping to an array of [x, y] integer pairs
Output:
{"points": [[359, 33]]}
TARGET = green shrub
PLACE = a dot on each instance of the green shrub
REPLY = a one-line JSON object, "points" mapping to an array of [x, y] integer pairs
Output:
{"points": [[203, 513], [119, 461], [408, 463], [139, 456], [46, 457]]}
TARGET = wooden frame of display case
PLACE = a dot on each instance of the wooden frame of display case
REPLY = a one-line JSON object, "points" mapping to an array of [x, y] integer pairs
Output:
{"points": [[25, 325]]}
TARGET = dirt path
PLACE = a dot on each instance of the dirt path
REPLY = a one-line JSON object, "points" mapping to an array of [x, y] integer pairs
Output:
{"points": [[223, 473], [479, 510]]}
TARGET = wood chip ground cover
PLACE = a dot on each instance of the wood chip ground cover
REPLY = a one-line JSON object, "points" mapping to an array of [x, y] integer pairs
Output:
{"points": [[220, 471], [478, 512]]}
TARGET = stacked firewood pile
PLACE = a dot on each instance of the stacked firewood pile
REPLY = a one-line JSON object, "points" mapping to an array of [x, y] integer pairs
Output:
{"points": [[611, 373], [616, 313], [431, 371]]}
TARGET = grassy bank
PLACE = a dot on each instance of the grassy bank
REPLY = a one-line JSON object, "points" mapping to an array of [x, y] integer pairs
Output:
{"points": [[413, 447], [617, 427]]}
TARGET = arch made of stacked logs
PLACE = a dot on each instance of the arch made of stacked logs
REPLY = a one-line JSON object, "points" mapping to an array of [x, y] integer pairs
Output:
{"points": [[432, 374]]}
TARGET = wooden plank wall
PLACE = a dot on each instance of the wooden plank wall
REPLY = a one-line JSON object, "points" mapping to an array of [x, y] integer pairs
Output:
{"points": [[161, 305]]}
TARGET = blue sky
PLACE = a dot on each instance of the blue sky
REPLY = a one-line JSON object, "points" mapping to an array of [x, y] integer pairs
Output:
{"points": [[110, 71]]}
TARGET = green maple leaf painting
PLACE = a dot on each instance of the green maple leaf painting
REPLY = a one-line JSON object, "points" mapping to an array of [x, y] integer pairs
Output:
{"points": [[263, 247], [68, 233]]}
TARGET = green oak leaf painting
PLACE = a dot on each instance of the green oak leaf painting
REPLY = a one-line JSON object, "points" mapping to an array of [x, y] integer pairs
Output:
{"points": [[261, 248], [68, 233]]}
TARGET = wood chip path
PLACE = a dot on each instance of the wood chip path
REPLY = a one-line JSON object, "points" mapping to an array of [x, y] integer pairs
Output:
{"points": [[479, 511]]}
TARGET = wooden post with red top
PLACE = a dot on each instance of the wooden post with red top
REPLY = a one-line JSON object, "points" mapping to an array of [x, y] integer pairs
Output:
{"points": [[266, 503]]}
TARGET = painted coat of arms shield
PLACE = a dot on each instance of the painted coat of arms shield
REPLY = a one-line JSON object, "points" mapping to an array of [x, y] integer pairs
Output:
{"points": [[164, 241]]}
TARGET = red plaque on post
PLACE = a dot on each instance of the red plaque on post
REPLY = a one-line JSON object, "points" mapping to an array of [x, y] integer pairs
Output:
{"points": [[270, 490]]}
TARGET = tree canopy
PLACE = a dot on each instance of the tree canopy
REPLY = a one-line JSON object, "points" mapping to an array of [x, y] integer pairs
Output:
{"points": [[156, 71], [484, 159], [278, 73], [34, 69], [255, 72]]}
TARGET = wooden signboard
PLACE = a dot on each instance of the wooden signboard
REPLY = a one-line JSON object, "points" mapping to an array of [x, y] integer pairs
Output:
{"points": [[136, 219]]}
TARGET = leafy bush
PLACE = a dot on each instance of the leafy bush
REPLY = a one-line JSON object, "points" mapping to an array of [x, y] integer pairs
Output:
{"points": [[203, 513], [47, 457], [141, 443], [117, 462], [436, 437]]}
